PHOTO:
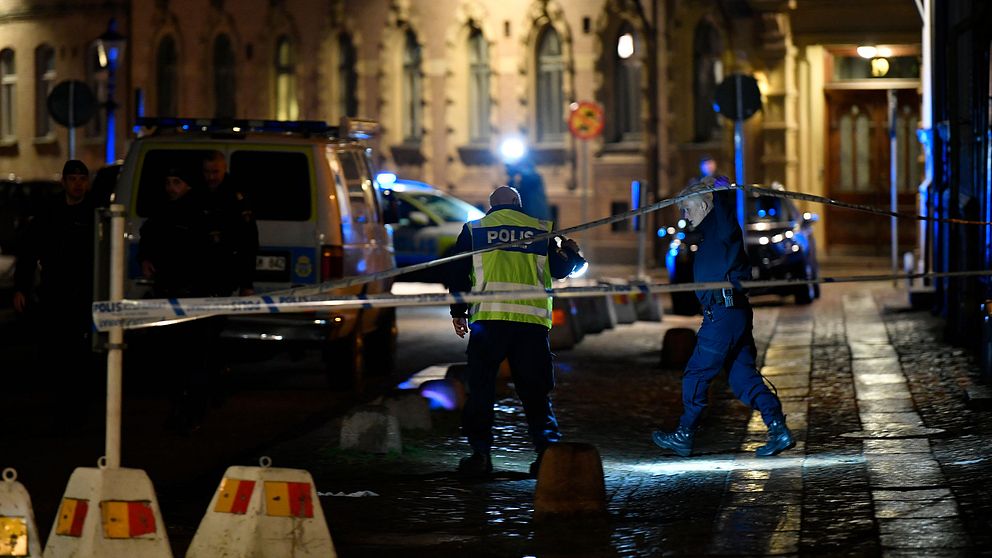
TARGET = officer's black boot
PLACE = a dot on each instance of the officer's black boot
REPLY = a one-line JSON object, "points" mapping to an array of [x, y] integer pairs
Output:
{"points": [[679, 441], [779, 440], [475, 465]]}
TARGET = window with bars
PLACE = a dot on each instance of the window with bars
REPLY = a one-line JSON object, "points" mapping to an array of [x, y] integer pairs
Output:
{"points": [[224, 78], [8, 92], [412, 94], [627, 86], [44, 82], [478, 92], [166, 78], [347, 76], [550, 103]]}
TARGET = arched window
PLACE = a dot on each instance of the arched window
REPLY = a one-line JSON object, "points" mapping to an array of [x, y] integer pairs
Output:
{"points": [[287, 106], [478, 88], [627, 86], [550, 80], [44, 71], [412, 109], [225, 85], [8, 99], [166, 78], [347, 76], [707, 73], [96, 78]]}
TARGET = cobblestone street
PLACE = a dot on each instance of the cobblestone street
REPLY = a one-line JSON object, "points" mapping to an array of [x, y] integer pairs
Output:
{"points": [[890, 460]]}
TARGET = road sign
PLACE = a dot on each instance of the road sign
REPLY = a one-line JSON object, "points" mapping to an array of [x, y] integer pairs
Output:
{"points": [[727, 102], [83, 103], [585, 120]]}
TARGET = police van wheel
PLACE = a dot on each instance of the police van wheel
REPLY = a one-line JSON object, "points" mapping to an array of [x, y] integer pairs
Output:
{"points": [[344, 362], [380, 345]]}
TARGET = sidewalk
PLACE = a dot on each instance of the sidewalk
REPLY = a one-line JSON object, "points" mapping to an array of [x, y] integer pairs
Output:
{"points": [[890, 460]]}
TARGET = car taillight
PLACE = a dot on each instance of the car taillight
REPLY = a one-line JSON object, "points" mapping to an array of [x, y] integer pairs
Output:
{"points": [[331, 262]]}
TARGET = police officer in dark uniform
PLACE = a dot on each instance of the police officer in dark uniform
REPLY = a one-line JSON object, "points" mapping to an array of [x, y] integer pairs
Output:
{"points": [[232, 229], [725, 336], [516, 330], [59, 237], [174, 252]]}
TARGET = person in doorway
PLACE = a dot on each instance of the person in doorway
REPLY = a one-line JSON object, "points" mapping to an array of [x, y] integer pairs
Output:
{"points": [[232, 229], [516, 330], [58, 239], [725, 337]]}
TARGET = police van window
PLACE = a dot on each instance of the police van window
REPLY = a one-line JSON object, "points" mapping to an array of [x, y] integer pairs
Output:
{"points": [[151, 183], [361, 192], [276, 183]]}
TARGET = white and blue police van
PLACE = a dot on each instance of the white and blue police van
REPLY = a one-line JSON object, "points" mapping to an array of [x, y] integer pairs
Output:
{"points": [[320, 217]]}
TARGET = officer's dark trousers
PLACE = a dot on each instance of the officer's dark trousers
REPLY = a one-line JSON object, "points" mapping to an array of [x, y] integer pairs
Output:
{"points": [[529, 353], [725, 339]]}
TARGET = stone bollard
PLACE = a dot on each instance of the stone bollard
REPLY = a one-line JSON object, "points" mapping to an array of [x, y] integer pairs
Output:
{"points": [[677, 347], [570, 482], [410, 409], [372, 429]]}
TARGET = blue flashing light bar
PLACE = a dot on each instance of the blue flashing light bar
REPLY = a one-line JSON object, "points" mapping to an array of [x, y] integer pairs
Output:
{"points": [[305, 127]]}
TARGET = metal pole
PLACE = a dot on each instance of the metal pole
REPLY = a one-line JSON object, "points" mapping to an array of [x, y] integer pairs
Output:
{"points": [[739, 149], [115, 353], [110, 152], [585, 184], [639, 199], [893, 180], [72, 120]]}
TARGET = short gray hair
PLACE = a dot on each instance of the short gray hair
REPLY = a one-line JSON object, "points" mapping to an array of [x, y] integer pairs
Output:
{"points": [[705, 184]]}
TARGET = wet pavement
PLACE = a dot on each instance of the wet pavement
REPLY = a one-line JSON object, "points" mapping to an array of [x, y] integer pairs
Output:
{"points": [[890, 460]]}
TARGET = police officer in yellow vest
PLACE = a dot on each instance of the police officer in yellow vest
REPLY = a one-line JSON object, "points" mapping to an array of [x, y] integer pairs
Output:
{"points": [[516, 330]]}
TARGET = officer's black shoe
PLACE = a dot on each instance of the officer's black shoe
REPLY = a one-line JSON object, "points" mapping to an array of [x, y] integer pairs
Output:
{"points": [[475, 465], [779, 440], [679, 441]]}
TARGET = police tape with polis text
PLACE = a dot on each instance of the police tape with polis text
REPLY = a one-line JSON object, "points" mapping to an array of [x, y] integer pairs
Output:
{"points": [[144, 313]]}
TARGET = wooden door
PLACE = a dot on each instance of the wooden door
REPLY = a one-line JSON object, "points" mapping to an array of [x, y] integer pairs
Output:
{"points": [[858, 171]]}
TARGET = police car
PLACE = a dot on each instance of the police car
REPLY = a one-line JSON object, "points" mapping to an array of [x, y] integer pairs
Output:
{"points": [[320, 217], [428, 222]]}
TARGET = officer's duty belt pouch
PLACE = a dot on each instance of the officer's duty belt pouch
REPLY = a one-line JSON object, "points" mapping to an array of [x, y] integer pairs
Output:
{"points": [[728, 297]]}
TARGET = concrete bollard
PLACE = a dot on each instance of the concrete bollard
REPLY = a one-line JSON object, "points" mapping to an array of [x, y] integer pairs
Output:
{"points": [[570, 482], [410, 409], [566, 331], [263, 511], [606, 310], [624, 306], [647, 306], [108, 513], [677, 346], [372, 429], [18, 531]]}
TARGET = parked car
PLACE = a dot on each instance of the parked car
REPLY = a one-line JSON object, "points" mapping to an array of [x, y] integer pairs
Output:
{"points": [[779, 243], [428, 222], [319, 214]]}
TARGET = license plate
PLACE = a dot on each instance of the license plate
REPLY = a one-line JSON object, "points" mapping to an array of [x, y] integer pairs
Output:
{"points": [[270, 263]]}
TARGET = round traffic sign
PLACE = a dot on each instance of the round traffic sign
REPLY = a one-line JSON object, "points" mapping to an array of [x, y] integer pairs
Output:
{"points": [[83, 103], [585, 120], [737, 97]]}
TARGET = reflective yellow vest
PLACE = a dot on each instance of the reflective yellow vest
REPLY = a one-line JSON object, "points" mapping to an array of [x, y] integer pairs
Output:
{"points": [[516, 268]]}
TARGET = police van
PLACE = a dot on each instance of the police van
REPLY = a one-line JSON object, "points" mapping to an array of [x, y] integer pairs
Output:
{"points": [[318, 207]]}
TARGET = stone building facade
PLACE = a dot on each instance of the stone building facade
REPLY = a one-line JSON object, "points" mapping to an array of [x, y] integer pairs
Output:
{"points": [[450, 79]]}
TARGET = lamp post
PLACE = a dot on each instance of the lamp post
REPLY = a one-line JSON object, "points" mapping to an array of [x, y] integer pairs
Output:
{"points": [[110, 49]]}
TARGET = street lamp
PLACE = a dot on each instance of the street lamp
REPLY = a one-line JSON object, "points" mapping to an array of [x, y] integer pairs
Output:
{"points": [[110, 50]]}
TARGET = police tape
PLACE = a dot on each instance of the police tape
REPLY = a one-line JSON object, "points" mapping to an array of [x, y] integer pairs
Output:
{"points": [[661, 204], [132, 314]]}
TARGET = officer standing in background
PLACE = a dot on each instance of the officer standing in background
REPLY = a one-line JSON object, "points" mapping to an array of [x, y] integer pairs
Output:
{"points": [[60, 238], [725, 336], [232, 228], [516, 330]]}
